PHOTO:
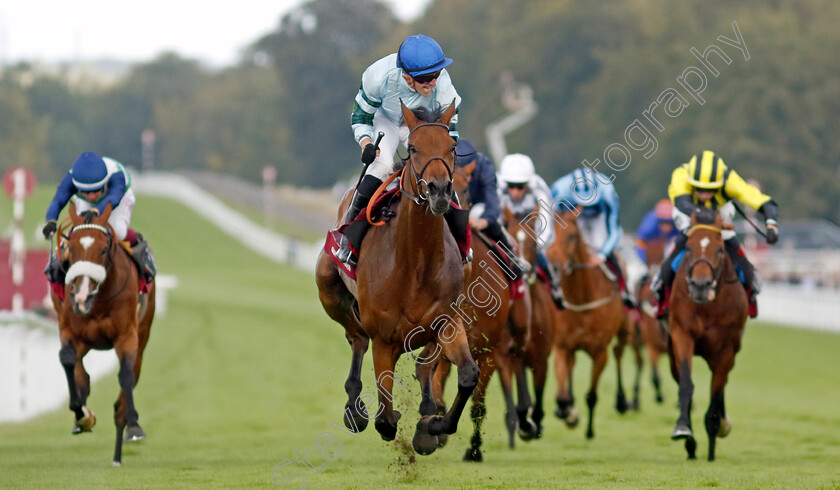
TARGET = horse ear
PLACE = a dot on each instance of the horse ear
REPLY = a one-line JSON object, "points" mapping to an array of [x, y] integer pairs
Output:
{"points": [[469, 169], [448, 113], [107, 213], [409, 117], [72, 211]]}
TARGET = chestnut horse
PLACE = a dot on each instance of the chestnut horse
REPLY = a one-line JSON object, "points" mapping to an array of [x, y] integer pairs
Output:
{"points": [[592, 317], [543, 311], [100, 311], [409, 273], [708, 313], [497, 328]]}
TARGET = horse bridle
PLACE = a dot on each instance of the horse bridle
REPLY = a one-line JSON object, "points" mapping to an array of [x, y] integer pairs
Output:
{"points": [[109, 258], [716, 271], [418, 177]]}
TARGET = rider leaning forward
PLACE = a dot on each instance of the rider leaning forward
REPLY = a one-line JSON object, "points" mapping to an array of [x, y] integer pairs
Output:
{"points": [[705, 181]]}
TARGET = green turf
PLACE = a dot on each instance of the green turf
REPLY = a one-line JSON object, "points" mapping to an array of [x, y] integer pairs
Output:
{"points": [[246, 369]]}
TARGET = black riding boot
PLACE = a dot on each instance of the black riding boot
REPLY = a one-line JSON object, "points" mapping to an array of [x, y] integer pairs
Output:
{"points": [[360, 199], [142, 254], [750, 284], [554, 282], [662, 283]]}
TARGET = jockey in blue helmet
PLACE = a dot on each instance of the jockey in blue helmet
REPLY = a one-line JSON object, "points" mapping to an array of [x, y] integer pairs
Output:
{"points": [[598, 219], [93, 183], [415, 75]]}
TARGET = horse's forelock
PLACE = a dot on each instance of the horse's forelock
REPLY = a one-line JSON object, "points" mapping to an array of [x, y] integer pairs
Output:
{"points": [[705, 216], [429, 115]]}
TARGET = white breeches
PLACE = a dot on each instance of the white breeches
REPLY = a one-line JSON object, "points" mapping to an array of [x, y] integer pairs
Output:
{"points": [[383, 166], [727, 214], [120, 217]]}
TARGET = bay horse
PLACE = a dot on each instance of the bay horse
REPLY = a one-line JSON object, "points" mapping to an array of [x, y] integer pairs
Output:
{"points": [[100, 310], [498, 321], [592, 317], [653, 335], [708, 313], [409, 272], [543, 312]]}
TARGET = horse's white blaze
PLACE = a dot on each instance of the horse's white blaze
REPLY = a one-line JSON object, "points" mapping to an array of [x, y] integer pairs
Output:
{"points": [[87, 269], [83, 292], [86, 242], [704, 243], [520, 235]]}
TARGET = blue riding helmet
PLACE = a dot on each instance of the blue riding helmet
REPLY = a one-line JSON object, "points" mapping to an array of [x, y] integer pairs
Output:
{"points": [[420, 54], [89, 172]]}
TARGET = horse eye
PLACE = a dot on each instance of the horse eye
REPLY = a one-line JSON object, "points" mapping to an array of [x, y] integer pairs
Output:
{"points": [[412, 149]]}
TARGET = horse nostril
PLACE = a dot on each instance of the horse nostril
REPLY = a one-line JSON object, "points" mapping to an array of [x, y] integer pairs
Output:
{"points": [[448, 188]]}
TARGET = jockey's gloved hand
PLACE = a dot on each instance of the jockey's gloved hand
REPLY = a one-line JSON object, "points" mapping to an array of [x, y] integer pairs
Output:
{"points": [[368, 154], [772, 235], [49, 228]]}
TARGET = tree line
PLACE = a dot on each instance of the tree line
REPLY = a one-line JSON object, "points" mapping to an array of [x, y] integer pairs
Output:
{"points": [[634, 88]]}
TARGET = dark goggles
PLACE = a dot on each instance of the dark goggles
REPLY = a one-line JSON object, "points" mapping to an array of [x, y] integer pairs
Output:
{"points": [[517, 185], [427, 78]]}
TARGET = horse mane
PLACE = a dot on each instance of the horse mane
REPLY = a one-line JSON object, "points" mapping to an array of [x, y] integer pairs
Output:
{"points": [[705, 216]]}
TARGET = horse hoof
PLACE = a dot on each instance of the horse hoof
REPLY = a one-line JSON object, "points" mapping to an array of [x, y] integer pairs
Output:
{"points": [[473, 454], [353, 420], [86, 423], [725, 427], [116, 464], [681, 432], [529, 432], [424, 444], [134, 433], [621, 406], [430, 424], [386, 431], [572, 419], [442, 439], [659, 399]]}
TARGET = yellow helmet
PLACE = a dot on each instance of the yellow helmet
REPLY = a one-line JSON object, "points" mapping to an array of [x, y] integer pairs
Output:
{"points": [[706, 170]]}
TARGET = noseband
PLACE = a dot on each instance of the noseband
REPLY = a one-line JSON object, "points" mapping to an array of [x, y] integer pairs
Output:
{"points": [[418, 177], [716, 270]]}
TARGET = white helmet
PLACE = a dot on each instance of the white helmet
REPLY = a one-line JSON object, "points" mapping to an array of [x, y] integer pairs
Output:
{"points": [[516, 169]]}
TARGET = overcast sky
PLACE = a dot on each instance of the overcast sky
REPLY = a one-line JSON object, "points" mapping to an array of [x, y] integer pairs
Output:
{"points": [[213, 32]]}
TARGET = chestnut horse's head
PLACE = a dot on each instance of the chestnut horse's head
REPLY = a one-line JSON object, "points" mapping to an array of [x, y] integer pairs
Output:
{"points": [[705, 255], [431, 157], [89, 242], [461, 184], [568, 248], [523, 230]]}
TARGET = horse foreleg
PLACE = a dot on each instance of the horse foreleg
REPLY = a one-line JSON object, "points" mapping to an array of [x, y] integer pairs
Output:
{"points": [[125, 413], [479, 409], [355, 412], [424, 371], [540, 370], [71, 361], [653, 355], [621, 404], [527, 427], [457, 350], [505, 379], [384, 359], [716, 421], [637, 356], [599, 361], [683, 350], [565, 400]]}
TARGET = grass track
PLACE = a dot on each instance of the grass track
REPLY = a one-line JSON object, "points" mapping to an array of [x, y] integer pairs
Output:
{"points": [[246, 369]]}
